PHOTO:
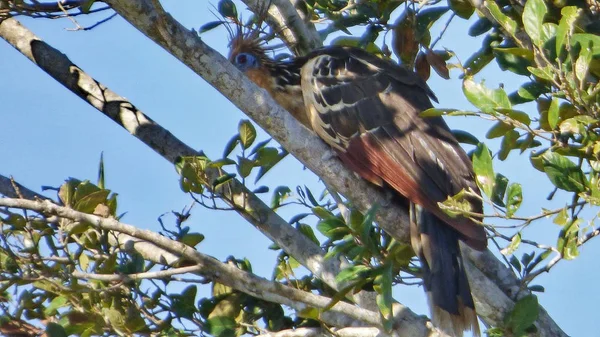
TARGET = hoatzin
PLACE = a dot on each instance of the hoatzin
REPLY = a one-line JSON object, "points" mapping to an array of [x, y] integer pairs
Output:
{"points": [[367, 109]]}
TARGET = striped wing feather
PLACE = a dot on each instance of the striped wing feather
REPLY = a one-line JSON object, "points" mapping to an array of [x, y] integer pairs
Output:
{"points": [[368, 110]]}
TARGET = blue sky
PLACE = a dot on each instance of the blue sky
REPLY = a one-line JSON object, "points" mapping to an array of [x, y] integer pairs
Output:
{"points": [[49, 134]]}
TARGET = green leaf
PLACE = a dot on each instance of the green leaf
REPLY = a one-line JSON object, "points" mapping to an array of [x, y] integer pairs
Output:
{"points": [[545, 73], [222, 180], [433, 112], [57, 302], [509, 142], [563, 173], [309, 233], [261, 189], [183, 305], [514, 197], [582, 65], [261, 145], [86, 6], [515, 263], [566, 25], [209, 26], [428, 16], [587, 40], [480, 26], [515, 60], [192, 239], [533, 18], [340, 295], [506, 22], [84, 188], [530, 91], [245, 166], [231, 144], [84, 261], [267, 156], [499, 189], [462, 8], [281, 193], [333, 228], [17, 221], [88, 203], [266, 163], [495, 332], [221, 326], [465, 137], [484, 98], [512, 247], [101, 171], [536, 288], [516, 115], [537, 260], [227, 9], [553, 113], [344, 246], [322, 213], [478, 60], [221, 162], [523, 315], [383, 287], [55, 330], [352, 273], [247, 133], [484, 171], [568, 240], [66, 193], [498, 130], [548, 37]]}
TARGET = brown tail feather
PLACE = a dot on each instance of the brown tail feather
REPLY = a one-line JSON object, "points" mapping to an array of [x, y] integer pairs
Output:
{"points": [[444, 277]]}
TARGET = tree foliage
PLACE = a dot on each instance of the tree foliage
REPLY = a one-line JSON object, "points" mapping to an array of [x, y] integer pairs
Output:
{"points": [[68, 266]]}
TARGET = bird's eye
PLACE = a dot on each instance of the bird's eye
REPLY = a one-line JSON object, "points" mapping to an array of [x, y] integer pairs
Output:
{"points": [[244, 61], [241, 59]]}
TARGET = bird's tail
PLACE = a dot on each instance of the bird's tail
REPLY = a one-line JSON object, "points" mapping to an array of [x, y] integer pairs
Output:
{"points": [[444, 277]]}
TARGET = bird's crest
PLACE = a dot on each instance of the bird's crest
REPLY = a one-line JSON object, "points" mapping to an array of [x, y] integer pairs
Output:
{"points": [[246, 38]]}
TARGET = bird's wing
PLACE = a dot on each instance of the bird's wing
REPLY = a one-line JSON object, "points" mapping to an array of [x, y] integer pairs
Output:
{"points": [[368, 110]]}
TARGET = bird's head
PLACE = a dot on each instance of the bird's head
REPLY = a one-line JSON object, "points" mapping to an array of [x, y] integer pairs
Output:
{"points": [[245, 61], [246, 51]]}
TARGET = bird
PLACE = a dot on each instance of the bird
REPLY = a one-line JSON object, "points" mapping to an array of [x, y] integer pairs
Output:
{"points": [[367, 109]]}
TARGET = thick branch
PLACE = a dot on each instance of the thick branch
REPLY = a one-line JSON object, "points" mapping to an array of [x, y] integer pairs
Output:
{"points": [[300, 142]]}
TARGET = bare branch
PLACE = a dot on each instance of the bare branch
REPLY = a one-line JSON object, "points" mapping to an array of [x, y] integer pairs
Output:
{"points": [[139, 276]]}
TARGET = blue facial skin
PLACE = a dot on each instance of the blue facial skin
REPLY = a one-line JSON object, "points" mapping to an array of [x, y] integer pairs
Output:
{"points": [[245, 61]]}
